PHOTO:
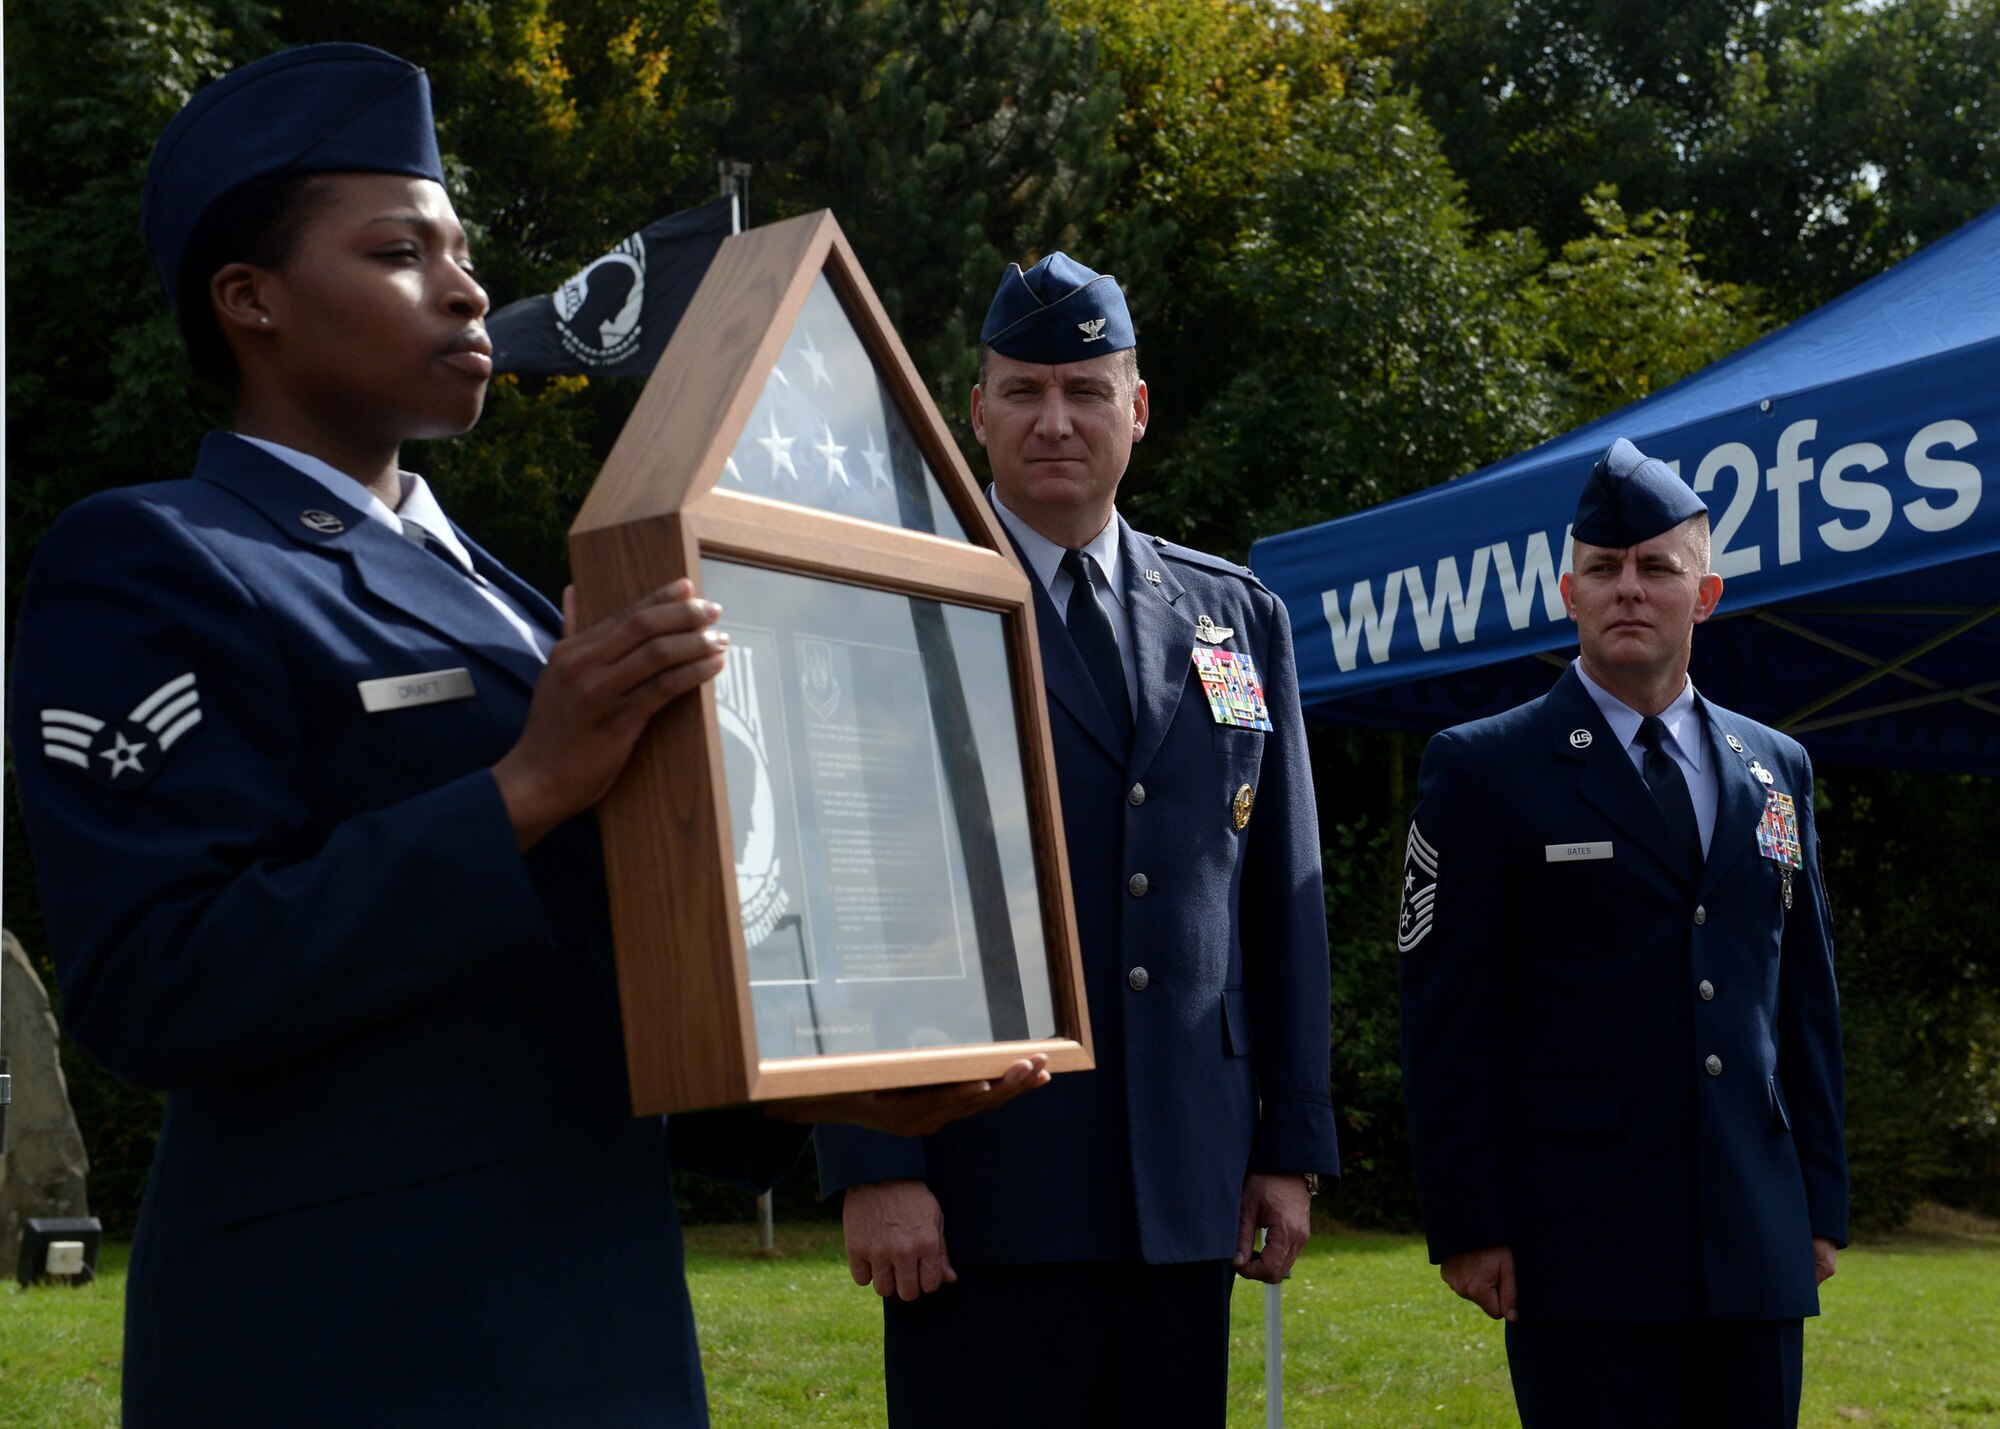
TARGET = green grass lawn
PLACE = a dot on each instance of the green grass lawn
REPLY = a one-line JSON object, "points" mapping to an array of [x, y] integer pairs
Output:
{"points": [[1910, 1337]]}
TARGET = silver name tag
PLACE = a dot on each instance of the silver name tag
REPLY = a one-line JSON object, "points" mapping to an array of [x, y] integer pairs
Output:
{"points": [[399, 692], [1574, 853]]}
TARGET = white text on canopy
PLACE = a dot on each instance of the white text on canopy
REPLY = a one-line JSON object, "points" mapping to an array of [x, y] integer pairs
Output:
{"points": [[1861, 498]]}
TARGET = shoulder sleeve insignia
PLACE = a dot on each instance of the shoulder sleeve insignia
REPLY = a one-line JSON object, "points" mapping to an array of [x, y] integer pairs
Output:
{"points": [[1420, 864], [124, 753]]}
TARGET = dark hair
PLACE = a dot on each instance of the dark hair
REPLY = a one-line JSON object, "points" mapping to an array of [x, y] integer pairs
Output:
{"points": [[258, 223]]}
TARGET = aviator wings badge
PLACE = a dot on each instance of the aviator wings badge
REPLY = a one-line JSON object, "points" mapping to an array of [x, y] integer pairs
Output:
{"points": [[1208, 632]]}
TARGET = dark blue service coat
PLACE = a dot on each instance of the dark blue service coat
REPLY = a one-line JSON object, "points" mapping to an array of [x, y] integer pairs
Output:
{"points": [[1632, 1078], [398, 1180], [1212, 1062]]}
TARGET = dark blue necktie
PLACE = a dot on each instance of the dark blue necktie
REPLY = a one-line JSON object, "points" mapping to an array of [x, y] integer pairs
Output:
{"points": [[1090, 628], [1670, 791]]}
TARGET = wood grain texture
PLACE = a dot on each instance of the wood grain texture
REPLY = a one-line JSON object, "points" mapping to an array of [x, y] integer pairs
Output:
{"points": [[683, 974], [781, 536], [961, 489], [1038, 776], [653, 514], [921, 1067], [694, 406]]}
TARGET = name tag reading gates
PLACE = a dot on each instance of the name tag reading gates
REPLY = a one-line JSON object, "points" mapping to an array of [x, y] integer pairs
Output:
{"points": [[1575, 853], [430, 687]]}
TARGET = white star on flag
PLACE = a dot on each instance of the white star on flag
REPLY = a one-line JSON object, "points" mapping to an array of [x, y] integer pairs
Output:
{"points": [[815, 359], [878, 462], [833, 452], [732, 471], [780, 448]]}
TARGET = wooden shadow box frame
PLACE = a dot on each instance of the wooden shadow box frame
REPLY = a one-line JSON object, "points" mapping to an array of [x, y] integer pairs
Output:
{"points": [[654, 513]]}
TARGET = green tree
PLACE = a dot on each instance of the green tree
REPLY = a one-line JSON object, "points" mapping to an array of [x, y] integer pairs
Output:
{"points": [[1375, 343], [949, 139], [1210, 94], [1814, 141], [1628, 311], [1916, 922]]}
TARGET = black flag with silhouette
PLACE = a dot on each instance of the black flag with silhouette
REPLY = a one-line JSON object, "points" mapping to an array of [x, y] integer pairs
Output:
{"points": [[613, 318]]}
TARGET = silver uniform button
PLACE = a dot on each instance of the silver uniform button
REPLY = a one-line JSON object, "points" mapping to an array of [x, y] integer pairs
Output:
{"points": [[1137, 979], [1138, 885], [1714, 1065], [1136, 796], [1700, 915], [1707, 990]]}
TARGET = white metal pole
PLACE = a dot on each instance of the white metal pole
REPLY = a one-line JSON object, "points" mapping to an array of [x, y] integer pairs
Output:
{"points": [[1274, 1357]]}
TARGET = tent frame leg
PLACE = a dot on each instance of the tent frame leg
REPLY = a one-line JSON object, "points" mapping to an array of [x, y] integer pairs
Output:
{"points": [[1893, 665]]}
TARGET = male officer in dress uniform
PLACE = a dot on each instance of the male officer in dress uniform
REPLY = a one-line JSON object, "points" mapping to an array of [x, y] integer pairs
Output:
{"points": [[1071, 1262], [1621, 1038]]}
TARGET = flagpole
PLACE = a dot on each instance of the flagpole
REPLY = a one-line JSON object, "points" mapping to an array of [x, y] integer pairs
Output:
{"points": [[734, 175]]}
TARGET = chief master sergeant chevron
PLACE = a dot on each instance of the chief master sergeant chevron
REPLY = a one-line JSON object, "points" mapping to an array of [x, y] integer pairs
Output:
{"points": [[1621, 1037], [1090, 1245]]}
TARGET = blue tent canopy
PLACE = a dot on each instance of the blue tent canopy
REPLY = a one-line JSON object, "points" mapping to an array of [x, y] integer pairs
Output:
{"points": [[1851, 466]]}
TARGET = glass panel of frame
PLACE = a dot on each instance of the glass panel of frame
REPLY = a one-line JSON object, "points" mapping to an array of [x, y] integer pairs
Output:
{"points": [[825, 432], [884, 863]]}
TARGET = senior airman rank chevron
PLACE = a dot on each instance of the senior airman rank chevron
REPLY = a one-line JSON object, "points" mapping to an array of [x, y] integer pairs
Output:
{"points": [[124, 754], [1420, 868]]}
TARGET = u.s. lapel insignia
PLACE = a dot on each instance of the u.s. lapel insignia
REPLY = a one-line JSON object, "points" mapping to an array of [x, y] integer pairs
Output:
{"points": [[123, 754], [1239, 808], [1764, 776], [1579, 739], [1420, 871], [1152, 577], [1209, 633], [324, 522], [1733, 742]]}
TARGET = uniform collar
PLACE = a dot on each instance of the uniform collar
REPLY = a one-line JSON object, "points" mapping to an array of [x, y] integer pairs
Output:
{"points": [[418, 507], [1682, 719], [1044, 556]]}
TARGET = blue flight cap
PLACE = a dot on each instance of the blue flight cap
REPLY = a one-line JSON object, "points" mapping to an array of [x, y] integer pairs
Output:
{"points": [[322, 109], [1631, 497], [1057, 311]]}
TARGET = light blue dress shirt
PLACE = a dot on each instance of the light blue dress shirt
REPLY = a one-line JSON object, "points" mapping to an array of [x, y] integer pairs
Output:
{"points": [[1045, 560], [1686, 742]]}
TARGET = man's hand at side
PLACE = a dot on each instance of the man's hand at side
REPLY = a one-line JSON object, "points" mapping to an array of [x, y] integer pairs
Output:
{"points": [[1282, 1207], [1825, 1259], [895, 1238], [1485, 1277]]}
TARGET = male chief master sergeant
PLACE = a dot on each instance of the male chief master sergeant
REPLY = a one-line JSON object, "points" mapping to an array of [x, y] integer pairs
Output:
{"points": [[1093, 1238], [1621, 1037]]}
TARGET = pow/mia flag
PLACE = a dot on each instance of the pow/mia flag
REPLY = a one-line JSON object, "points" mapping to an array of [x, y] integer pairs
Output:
{"points": [[1420, 871], [613, 317]]}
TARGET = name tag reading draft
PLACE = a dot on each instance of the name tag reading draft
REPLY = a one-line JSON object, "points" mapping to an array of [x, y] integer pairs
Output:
{"points": [[1575, 853], [431, 687]]}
